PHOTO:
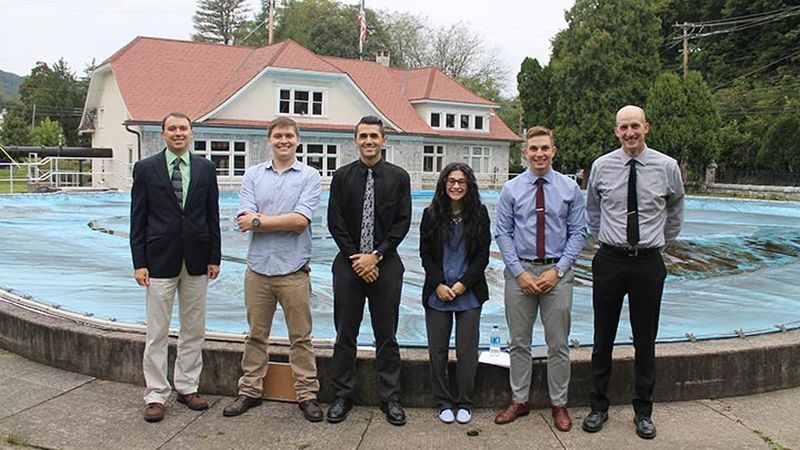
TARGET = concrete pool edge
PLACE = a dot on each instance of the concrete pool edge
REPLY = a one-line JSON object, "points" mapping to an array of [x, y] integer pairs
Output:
{"points": [[685, 371]]}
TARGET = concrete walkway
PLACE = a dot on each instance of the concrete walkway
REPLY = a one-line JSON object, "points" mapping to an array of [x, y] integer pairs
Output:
{"points": [[43, 407]]}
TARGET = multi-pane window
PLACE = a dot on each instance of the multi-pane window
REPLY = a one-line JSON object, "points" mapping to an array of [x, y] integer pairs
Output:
{"points": [[432, 157], [479, 158], [454, 120], [322, 157], [301, 102], [230, 157]]}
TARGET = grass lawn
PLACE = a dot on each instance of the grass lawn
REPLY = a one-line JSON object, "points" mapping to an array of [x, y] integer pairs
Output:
{"points": [[20, 184]]}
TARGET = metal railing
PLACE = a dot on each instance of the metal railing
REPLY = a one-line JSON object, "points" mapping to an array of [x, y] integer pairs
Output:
{"points": [[56, 172]]}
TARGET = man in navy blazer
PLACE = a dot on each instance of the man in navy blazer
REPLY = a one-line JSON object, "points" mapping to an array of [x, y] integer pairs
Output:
{"points": [[175, 243]]}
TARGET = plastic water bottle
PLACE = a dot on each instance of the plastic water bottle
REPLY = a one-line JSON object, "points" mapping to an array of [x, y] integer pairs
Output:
{"points": [[494, 341]]}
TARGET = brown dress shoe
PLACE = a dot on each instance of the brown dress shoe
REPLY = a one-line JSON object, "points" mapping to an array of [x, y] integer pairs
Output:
{"points": [[561, 418], [511, 413], [193, 401], [153, 412]]}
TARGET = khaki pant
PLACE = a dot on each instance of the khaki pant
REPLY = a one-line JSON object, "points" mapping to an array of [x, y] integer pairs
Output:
{"points": [[191, 292], [521, 311], [262, 294]]}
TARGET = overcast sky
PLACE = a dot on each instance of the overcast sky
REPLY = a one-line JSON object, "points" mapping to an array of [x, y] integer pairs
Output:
{"points": [[79, 30]]}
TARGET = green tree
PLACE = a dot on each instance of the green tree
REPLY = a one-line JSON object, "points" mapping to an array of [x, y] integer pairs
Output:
{"points": [[606, 58], [684, 122], [781, 148], [15, 129], [47, 133], [53, 91], [325, 27], [536, 93], [219, 20]]}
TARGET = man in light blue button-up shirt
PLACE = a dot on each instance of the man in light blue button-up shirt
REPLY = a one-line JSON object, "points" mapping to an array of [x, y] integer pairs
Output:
{"points": [[276, 204], [539, 208]]}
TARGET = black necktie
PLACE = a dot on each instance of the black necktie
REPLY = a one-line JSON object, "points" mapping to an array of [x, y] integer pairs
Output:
{"points": [[540, 250], [177, 181], [632, 227]]}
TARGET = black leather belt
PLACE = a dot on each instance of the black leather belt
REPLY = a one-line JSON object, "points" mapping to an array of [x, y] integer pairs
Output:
{"points": [[625, 251], [544, 261]]}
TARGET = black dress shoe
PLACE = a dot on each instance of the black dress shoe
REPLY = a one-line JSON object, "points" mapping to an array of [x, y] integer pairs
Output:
{"points": [[594, 421], [644, 427], [311, 410], [240, 405], [394, 413], [338, 410]]}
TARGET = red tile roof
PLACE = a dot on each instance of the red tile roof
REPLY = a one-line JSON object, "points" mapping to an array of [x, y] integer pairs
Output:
{"points": [[156, 76]]}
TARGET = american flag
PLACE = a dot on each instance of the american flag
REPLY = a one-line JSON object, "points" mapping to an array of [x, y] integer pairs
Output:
{"points": [[362, 23]]}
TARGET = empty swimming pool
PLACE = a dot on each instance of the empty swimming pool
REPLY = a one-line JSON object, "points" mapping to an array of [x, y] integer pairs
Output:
{"points": [[736, 267]]}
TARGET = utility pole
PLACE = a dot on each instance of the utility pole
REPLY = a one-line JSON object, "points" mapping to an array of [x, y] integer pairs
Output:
{"points": [[685, 27], [33, 117]]}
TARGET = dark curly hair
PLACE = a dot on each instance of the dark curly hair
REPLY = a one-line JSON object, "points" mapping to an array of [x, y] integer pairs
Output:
{"points": [[441, 212]]}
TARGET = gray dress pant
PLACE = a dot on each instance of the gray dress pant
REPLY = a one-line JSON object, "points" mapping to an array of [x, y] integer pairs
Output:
{"points": [[521, 312]]}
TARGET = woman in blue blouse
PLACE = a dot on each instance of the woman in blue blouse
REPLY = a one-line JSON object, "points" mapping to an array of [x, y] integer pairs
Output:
{"points": [[454, 248]]}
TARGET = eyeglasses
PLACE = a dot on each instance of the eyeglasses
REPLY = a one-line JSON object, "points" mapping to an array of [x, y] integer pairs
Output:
{"points": [[455, 181]]}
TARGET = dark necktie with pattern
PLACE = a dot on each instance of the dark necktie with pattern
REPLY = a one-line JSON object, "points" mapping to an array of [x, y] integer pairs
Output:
{"points": [[177, 181], [632, 227], [368, 215], [540, 250]]}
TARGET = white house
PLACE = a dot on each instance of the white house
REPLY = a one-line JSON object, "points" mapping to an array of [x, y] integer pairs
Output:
{"points": [[232, 93]]}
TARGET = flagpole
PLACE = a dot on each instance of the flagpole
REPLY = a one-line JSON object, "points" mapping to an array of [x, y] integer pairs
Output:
{"points": [[271, 16], [362, 30]]}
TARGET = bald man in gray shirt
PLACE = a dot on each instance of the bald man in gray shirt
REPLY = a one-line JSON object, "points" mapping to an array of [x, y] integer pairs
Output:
{"points": [[634, 207]]}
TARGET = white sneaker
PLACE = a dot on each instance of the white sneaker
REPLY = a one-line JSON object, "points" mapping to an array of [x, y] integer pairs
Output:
{"points": [[463, 416], [446, 416]]}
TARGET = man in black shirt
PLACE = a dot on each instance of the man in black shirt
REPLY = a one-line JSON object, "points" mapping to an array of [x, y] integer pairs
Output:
{"points": [[369, 214]]}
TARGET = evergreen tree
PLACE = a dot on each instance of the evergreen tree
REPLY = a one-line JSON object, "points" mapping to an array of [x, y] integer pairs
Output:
{"points": [[53, 91], [684, 122], [606, 58], [536, 93], [781, 148], [219, 20]]}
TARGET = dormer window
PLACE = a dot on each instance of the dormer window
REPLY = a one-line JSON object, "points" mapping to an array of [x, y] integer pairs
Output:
{"points": [[464, 122], [301, 102], [450, 120], [436, 120]]}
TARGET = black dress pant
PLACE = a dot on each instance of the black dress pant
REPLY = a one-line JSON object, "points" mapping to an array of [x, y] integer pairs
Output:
{"points": [[642, 279], [349, 294], [439, 325]]}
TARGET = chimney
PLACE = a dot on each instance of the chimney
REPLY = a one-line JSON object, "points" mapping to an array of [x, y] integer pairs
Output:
{"points": [[382, 57]]}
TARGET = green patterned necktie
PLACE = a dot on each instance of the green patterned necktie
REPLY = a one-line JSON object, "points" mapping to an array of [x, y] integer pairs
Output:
{"points": [[177, 181]]}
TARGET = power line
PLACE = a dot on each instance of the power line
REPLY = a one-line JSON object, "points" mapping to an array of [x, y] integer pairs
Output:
{"points": [[766, 66]]}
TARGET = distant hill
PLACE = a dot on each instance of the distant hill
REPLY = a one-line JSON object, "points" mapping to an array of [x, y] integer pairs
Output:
{"points": [[9, 84]]}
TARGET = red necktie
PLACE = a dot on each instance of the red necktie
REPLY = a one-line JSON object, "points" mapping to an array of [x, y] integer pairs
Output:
{"points": [[540, 251]]}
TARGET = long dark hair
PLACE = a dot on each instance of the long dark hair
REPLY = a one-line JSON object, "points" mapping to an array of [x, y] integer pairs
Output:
{"points": [[441, 212]]}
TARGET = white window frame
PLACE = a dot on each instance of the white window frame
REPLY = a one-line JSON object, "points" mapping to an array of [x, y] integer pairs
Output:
{"points": [[430, 119], [208, 153], [483, 123], [387, 153], [325, 156], [479, 157], [292, 100], [436, 156]]}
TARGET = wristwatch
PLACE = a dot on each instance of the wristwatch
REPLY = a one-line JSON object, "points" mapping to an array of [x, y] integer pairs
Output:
{"points": [[559, 272], [255, 223], [378, 254]]}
